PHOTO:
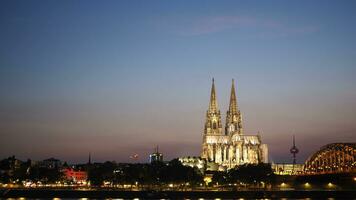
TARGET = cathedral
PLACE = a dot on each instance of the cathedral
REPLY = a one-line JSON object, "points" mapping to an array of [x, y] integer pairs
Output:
{"points": [[229, 147]]}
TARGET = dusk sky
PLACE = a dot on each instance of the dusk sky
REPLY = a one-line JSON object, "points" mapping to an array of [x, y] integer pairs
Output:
{"points": [[116, 78]]}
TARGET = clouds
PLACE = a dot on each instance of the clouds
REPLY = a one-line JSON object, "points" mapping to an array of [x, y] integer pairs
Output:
{"points": [[208, 25]]}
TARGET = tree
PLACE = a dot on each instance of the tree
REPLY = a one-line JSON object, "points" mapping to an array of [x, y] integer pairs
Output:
{"points": [[104, 172], [252, 173], [220, 177]]}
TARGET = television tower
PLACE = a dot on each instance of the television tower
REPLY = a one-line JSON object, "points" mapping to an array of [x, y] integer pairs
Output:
{"points": [[294, 150]]}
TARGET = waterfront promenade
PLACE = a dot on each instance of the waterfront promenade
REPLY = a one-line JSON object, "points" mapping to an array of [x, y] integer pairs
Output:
{"points": [[107, 193]]}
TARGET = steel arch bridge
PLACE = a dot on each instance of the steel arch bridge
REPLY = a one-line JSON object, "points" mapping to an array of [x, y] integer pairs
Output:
{"points": [[332, 158]]}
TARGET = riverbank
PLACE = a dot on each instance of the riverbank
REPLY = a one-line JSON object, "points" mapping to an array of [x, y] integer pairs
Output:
{"points": [[102, 193]]}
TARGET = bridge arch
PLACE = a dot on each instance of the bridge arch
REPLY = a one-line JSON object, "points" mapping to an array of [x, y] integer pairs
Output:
{"points": [[332, 158]]}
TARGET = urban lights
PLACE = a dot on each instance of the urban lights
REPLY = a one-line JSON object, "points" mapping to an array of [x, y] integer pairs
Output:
{"points": [[307, 185], [330, 185]]}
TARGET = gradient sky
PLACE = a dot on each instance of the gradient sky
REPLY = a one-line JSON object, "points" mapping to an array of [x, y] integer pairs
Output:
{"points": [[116, 78]]}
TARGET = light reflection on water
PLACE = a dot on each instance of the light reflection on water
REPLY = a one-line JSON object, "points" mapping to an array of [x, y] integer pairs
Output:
{"points": [[23, 198]]}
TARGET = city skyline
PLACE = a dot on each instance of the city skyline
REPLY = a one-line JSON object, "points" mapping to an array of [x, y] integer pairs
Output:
{"points": [[120, 77]]}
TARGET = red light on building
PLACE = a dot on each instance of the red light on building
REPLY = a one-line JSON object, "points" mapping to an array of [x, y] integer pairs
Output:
{"points": [[75, 175]]}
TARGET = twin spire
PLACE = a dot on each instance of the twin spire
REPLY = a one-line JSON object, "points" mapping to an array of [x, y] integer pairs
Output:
{"points": [[213, 105], [233, 115]]}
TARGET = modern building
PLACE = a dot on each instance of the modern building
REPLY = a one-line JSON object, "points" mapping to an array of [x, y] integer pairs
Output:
{"points": [[156, 156], [202, 164], [194, 162], [287, 169], [9, 165], [230, 147], [51, 163]]}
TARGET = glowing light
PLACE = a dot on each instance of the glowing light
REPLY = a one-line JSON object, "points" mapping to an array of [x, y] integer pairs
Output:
{"points": [[330, 185], [207, 179], [307, 185], [283, 184]]}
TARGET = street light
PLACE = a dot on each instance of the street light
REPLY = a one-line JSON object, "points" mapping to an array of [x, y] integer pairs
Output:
{"points": [[307, 185]]}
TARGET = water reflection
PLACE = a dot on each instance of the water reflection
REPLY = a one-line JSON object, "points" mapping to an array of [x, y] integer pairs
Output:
{"points": [[56, 198]]}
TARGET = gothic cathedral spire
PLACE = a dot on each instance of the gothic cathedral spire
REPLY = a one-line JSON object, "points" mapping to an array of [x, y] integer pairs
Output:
{"points": [[213, 117], [233, 116], [212, 128], [213, 105], [233, 102]]}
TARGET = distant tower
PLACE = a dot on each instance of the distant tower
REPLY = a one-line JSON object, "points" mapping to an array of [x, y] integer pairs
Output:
{"points": [[294, 150], [233, 115], [89, 159]]}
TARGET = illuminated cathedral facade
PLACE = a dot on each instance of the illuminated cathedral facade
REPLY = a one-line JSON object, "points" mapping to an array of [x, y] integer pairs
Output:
{"points": [[229, 147]]}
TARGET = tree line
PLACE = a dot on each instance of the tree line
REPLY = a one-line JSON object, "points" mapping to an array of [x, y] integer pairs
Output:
{"points": [[158, 173]]}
